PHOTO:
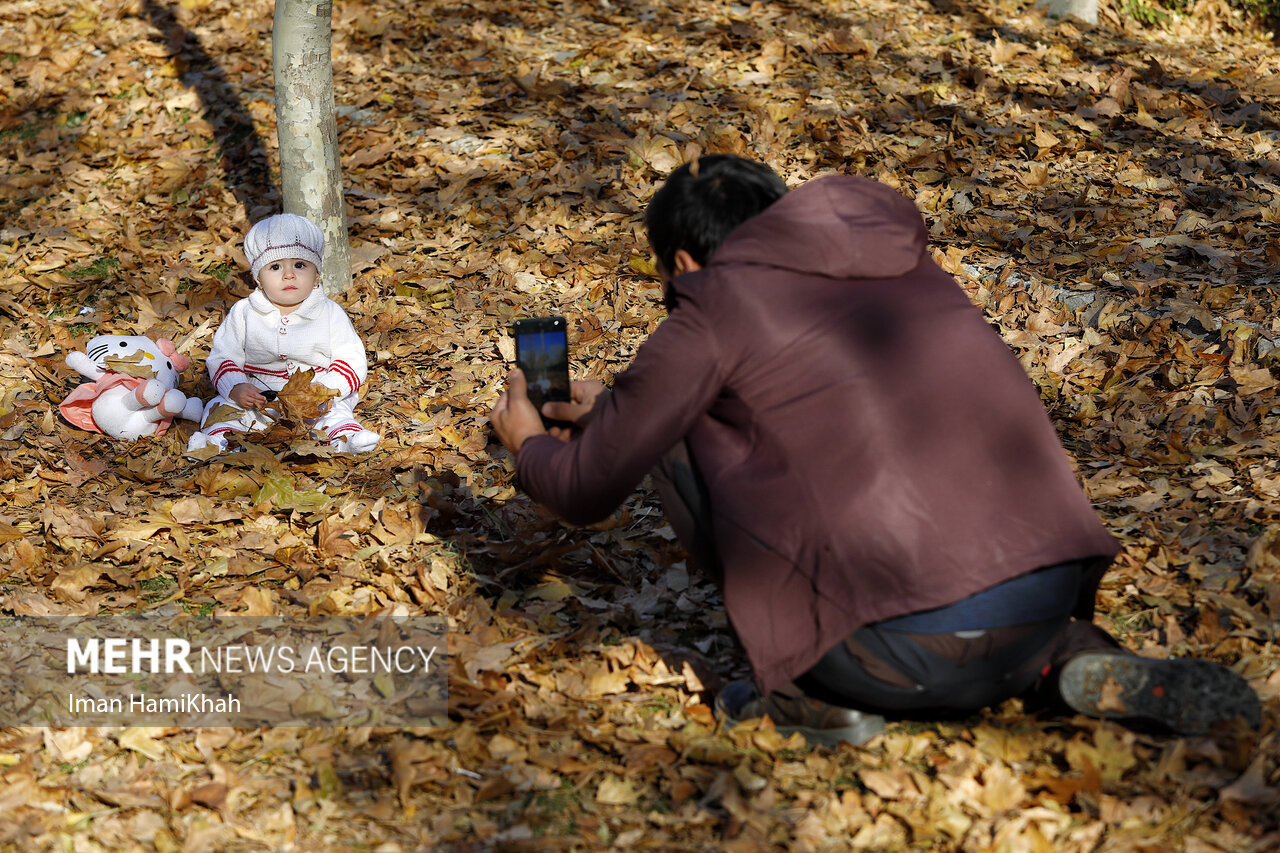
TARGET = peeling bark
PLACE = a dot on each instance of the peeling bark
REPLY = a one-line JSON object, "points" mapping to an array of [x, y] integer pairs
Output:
{"points": [[1084, 10]]}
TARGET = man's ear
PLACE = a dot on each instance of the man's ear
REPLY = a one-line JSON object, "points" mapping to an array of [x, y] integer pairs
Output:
{"points": [[685, 263]]}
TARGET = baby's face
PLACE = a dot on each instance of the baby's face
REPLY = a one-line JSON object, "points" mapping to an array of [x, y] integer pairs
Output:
{"points": [[287, 282]]}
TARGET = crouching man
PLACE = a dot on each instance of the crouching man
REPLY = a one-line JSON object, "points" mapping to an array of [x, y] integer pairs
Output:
{"points": [[843, 441]]}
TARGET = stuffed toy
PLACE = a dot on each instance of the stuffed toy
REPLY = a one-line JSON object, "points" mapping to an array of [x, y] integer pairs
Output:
{"points": [[132, 390]]}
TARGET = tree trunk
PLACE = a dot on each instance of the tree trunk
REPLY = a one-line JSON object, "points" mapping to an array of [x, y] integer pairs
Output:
{"points": [[1084, 10], [306, 124]]}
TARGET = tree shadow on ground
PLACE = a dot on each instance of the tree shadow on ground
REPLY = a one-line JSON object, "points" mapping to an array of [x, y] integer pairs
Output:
{"points": [[243, 152]]}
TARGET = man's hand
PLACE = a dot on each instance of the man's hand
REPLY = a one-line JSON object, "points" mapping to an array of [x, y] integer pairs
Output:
{"points": [[576, 412], [514, 418], [246, 396]]}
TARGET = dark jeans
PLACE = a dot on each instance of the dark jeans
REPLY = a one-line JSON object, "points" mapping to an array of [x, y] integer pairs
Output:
{"points": [[903, 674], [687, 507], [941, 675]]}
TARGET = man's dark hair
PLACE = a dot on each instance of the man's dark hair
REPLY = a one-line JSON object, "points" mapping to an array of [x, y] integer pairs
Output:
{"points": [[703, 201]]}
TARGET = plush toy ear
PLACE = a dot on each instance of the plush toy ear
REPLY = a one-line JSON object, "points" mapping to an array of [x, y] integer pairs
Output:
{"points": [[180, 361]]}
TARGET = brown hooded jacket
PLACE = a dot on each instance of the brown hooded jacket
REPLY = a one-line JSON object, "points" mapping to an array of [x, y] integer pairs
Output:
{"points": [[871, 446]]}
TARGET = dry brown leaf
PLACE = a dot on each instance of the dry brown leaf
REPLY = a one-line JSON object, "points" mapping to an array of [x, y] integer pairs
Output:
{"points": [[212, 795], [303, 399], [1127, 272], [221, 414], [335, 539], [138, 366], [1252, 786]]}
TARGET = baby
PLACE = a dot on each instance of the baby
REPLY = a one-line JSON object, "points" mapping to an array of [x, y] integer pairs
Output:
{"points": [[286, 325]]}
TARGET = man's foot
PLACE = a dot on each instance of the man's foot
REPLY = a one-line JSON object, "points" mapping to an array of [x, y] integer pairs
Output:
{"points": [[1183, 695], [791, 711]]}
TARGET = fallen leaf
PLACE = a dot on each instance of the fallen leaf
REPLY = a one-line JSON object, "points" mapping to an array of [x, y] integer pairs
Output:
{"points": [[142, 740], [616, 791], [302, 398]]}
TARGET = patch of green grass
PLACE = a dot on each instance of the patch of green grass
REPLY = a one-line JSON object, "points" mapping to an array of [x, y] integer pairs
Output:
{"points": [[221, 272], [74, 119], [1157, 13], [101, 268], [26, 133], [1147, 12], [203, 610], [560, 804], [658, 705], [77, 329], [1268, 9], [1131, 623], [156, 587]]}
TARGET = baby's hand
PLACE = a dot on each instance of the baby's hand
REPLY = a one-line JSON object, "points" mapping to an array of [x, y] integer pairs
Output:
{"points": [[246, 396]]}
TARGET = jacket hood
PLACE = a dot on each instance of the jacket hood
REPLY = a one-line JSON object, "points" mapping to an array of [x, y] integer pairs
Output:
{"points": [[840, 226]]}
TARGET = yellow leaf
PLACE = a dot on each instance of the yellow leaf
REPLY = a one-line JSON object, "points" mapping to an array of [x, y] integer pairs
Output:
{"points": [[140, 740], [644, 266], [554, 590], [314, 704], [615, 791], [1001, 789], [83, 25]]}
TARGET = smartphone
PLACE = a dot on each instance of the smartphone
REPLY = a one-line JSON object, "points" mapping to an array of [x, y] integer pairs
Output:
{"points": [[542, 354]]}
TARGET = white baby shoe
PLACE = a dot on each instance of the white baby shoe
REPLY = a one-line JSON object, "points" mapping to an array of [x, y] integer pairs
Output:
{"points": [[361, 441], [200, 440]]}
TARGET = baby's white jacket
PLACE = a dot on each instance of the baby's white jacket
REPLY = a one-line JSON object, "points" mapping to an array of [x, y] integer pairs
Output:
{"points": [[256, 340]]}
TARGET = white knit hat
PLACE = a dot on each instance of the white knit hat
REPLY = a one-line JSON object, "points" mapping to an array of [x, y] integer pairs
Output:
{"points": [[286, 235]]}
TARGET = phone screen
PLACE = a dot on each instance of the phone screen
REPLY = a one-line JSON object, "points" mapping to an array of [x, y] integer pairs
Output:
{"points": [[542, 353]]}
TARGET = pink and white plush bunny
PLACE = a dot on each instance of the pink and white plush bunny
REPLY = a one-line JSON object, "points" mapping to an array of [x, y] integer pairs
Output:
{"points": [[133, 389]]}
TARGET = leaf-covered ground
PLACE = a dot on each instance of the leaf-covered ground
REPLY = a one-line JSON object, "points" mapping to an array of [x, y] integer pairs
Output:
{"points": [[1109, 197]]}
